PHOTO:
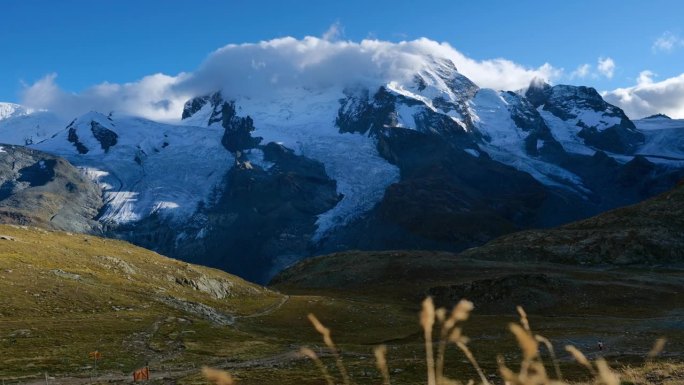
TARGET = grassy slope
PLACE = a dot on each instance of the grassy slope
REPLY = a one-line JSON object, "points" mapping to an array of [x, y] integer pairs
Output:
{"points": [[626, 308], [50, 318], [64, 295]]}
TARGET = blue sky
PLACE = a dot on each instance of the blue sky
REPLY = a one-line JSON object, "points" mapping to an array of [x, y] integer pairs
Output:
{"points": [[86, 42]]}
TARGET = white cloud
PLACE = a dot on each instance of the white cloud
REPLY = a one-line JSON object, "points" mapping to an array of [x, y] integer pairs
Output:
{"points": [[606, 67], [334, 32], [645, 78], [581, 72], [153, 97], [314, 62], [667, 42], [261, 68], [648, 97]]}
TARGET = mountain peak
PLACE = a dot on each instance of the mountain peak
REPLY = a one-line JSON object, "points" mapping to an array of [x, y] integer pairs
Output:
{"points": [[11, 110], [539, 83], [658, 116], [538, 91]]}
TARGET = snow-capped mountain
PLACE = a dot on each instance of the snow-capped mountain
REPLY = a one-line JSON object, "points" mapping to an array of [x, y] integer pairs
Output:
{"points": [[431, 160], [10, 110], [25, 126], [145, 168], [664, 138]]}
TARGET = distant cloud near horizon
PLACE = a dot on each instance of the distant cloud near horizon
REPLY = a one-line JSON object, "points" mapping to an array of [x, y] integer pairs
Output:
{"points": [[648, 97], [604, 67], [667, 42], [581, 72]]}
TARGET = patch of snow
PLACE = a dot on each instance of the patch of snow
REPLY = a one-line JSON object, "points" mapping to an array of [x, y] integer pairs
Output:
{"points": [[596, 119], [493, 119], [406, 115], [657, 124], [565, 132], [399, 88], [472, 152], [202, 233], [256, 158]]}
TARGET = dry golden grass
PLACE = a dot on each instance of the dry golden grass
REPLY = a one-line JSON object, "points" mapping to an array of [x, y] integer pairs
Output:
{"points": [[532, 368], [663, 373], [217, 377]]}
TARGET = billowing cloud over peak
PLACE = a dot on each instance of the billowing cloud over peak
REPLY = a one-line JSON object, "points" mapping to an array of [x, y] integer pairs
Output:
{"points": [[261, 69]]}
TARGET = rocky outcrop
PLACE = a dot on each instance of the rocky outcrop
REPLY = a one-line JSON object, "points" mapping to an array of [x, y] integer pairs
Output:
{"points": [[266, 216], [117, 264], [216, 288], [193, 105], [105, 136], [362, 112], [73, 138], [38, 189]]}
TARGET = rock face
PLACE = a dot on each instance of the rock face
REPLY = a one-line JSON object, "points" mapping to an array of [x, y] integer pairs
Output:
{"points": [[38, 189], [73, 138], [105, 136], [266, 215], [237, 135]]}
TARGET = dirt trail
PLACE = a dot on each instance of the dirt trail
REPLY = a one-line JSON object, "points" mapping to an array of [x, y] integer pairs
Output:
{"points": [[270, 309]]}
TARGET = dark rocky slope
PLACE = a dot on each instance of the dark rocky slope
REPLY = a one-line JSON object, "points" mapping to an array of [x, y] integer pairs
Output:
{"points": [[650, 232], [38, 189]]}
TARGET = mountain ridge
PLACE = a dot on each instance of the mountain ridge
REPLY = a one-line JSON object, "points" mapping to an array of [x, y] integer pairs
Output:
{"points": [[428, 160]]}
